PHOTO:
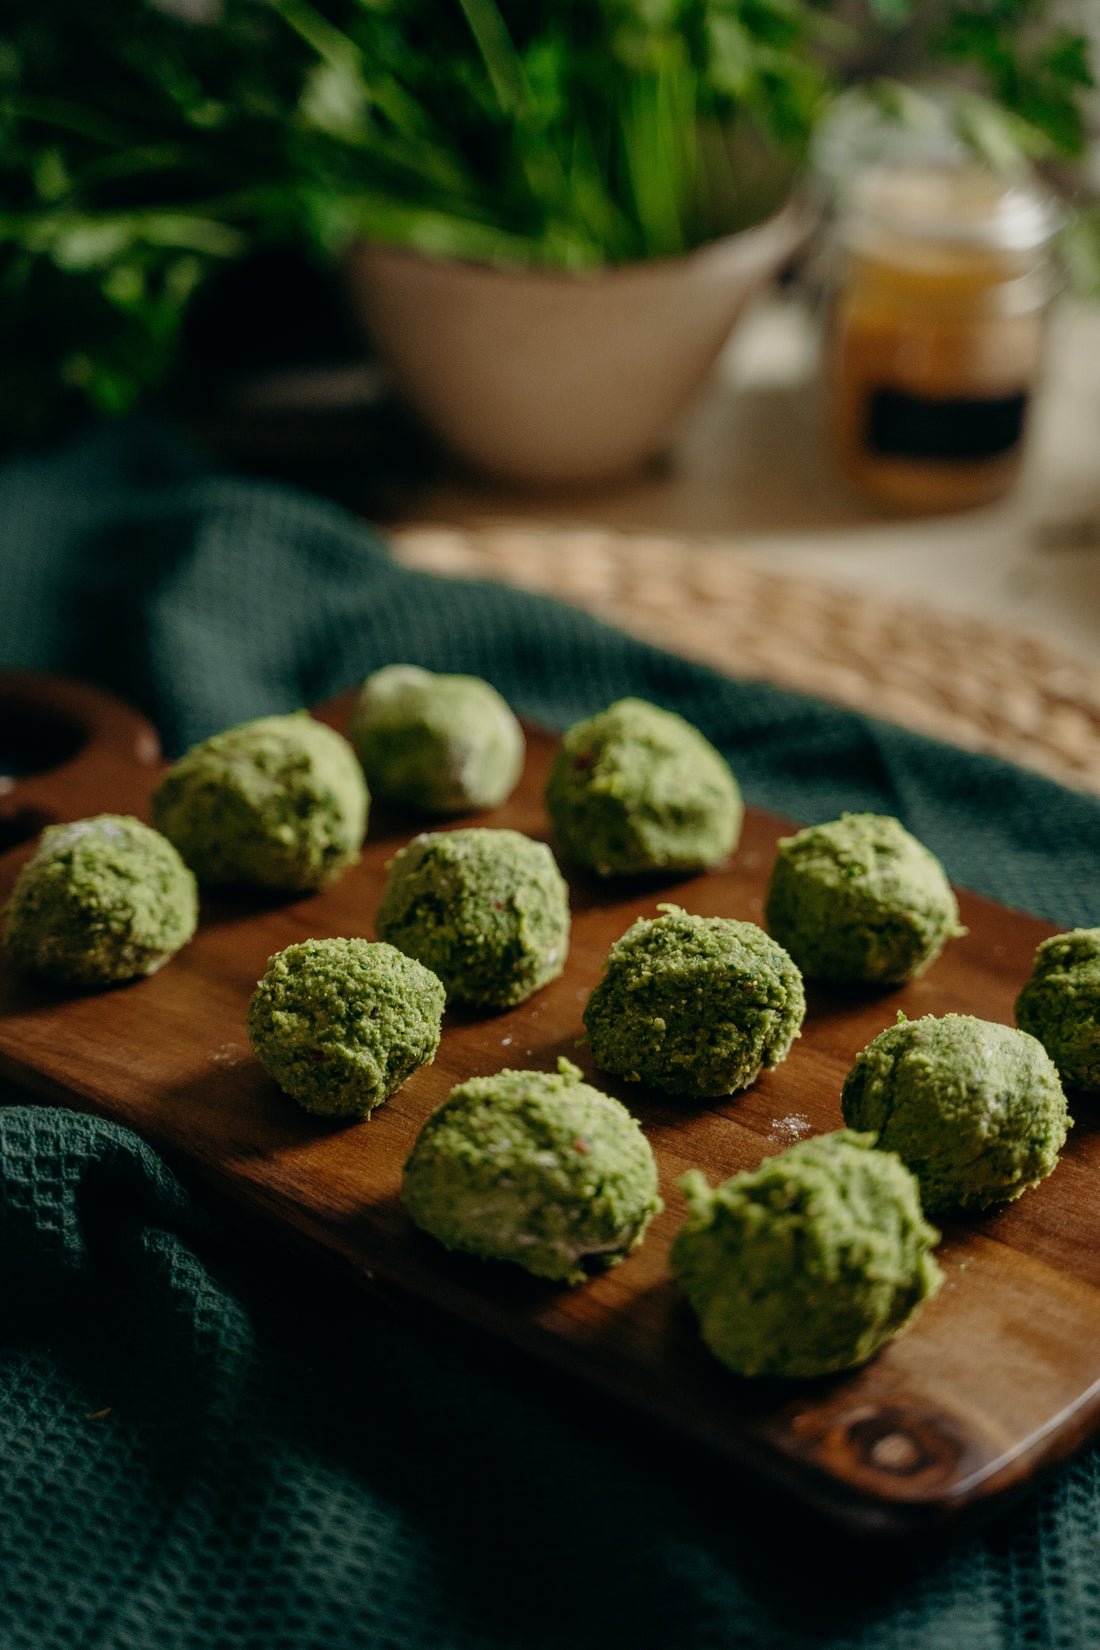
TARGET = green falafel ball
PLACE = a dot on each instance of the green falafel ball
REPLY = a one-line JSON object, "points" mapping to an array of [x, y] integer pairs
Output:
{"points": [[281, 802], [638, 789], [1060, 1004], [102, 900], [694, 1005], [860, 901], [443, 744], [535, 1168], [341, 1024], [974, 1108], [810, 1263], [488, 911]]}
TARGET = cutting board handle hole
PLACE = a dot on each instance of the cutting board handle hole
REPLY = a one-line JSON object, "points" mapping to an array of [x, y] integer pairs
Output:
{"points": [[20, 825], [35, 738]]}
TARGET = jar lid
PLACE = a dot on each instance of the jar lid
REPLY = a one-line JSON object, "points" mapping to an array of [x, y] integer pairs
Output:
{"points": [[960, 205]]}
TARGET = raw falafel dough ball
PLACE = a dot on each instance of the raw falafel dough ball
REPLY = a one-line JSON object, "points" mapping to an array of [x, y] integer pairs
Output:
{"points": [[1060, 1004], [281, 802], [488, 911], [694, 1005], [638, 789], [341, 1024], [442, 744], [810, 1263], [102, 900], [974, 1108], [536, 1168], [860, 901]]}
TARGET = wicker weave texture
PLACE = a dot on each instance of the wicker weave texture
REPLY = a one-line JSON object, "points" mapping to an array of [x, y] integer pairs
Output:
{"points": [[972, 684]]}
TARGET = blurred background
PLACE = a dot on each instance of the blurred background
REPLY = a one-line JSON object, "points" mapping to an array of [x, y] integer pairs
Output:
{"points": [[767, 329]]}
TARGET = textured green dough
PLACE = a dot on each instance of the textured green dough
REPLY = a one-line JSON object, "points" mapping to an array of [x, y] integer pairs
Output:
{"points": [[102, 900], [341, 1024], [638, 789], [280, 802], [695, 1005], [442, 744], [1060, 1004], [534, 1168], [810, 1263], [860, 901], [488, 911], [974, 1108]]}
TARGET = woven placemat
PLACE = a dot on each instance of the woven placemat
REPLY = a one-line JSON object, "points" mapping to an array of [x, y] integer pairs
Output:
{"points": [[972, 684]]}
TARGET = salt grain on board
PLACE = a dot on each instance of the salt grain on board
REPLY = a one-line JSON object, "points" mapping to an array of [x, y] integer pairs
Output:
{"points": [[789, 1128], [230, 1054]]}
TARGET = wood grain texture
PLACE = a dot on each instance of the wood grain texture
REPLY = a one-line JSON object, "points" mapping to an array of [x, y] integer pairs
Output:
{"points": [[1000, 1376]]}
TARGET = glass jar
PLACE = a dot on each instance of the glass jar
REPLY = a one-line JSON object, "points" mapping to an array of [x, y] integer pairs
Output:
{"points": [[945, 277]]}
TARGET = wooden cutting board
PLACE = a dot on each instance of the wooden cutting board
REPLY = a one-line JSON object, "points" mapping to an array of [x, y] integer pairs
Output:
{"points": [[999, 1378]]}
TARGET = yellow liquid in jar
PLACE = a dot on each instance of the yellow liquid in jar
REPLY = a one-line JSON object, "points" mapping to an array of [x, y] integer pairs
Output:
{"points": [[934, 351]]}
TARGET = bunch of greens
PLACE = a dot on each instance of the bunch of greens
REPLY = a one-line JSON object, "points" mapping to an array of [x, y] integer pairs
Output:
{"points": [[562, 132], [142, 145], [578, 132], [137, 152]]}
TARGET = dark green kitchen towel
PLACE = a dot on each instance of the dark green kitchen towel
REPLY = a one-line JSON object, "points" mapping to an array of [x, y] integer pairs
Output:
{"points": [[205, 1448]]}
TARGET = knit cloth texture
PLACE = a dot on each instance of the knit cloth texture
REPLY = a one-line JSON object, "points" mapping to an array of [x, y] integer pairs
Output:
{"points": [[208, 1445]]}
